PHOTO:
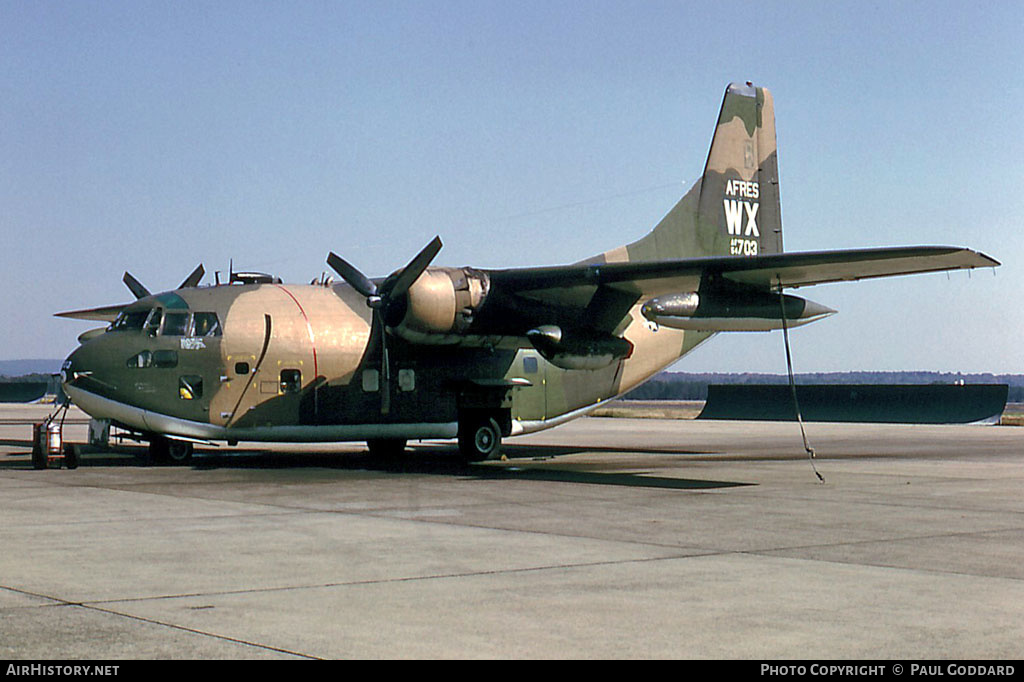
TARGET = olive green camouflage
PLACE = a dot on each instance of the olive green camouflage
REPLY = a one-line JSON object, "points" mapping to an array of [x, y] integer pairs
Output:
{"points": [[478, 355]]}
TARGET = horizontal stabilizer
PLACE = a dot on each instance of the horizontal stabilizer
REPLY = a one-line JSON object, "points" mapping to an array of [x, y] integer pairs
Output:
{"points": [[106, 313]]}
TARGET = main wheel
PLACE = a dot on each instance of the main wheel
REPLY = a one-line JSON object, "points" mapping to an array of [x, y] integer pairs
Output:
{"points": [[480, 439], [386, 447]]}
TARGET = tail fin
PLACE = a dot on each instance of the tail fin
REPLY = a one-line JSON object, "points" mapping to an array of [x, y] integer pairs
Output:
{"points": [[734, 208]]}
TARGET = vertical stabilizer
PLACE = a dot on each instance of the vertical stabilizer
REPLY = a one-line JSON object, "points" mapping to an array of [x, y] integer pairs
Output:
{"points": [[734, 208]]}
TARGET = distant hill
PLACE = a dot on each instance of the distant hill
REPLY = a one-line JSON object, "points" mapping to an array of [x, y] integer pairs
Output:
{"points": [[17, 368]]}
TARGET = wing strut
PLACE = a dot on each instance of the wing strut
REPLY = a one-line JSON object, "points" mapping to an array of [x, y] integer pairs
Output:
{"points": [[792, 385]]}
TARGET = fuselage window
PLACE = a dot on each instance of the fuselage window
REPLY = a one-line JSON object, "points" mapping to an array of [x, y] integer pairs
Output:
{"points": [[371, 380], [206, 324], [132, 320], [165, 358], [291, 380], [530, 364], [161, 359], [175, 324], [241, 368], [141, 360], [190, 387]]}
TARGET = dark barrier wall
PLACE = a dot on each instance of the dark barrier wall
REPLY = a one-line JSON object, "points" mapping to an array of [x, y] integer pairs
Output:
{"points": [[892, 404], [22, 392]]}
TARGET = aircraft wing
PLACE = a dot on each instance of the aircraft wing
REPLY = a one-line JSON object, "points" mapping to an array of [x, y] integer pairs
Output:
{"points": [[598, 295], [786, 269]]}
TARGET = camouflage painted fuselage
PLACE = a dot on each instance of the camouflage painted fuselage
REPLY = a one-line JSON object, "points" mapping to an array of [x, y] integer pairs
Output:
{"points": [[474, 353], [315, 376]]}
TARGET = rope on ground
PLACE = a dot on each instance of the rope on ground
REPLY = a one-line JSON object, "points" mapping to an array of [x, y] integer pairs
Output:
{"points": [[792, 384]]}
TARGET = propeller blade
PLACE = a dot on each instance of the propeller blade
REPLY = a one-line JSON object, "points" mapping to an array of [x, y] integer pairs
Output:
{"points": [[411, 272], [385, 367], [193, 279], [135, 286], [397, 286], [350, 274]]}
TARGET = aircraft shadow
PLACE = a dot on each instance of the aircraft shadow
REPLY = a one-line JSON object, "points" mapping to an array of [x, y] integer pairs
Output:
{"points": [[524, 462], [445, 461]]}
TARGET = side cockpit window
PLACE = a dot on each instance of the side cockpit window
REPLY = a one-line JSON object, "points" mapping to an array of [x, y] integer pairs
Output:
{"points": [[153, 323], [130, 320], [175, 324], [206, 324], [172, 323]]}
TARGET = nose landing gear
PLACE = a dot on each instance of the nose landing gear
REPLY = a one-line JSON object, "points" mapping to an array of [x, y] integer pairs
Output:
{"points": [[166, 451], [480, 438]]}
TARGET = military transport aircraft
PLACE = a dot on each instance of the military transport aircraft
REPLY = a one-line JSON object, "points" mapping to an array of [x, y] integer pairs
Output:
{"points": [[478, 355]]}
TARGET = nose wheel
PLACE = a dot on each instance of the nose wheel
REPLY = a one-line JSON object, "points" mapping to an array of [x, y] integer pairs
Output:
{"points": [[479, 439], [164, 451]]}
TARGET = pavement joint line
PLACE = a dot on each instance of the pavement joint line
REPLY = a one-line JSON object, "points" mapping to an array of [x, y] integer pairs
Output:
{"points": [[194, 631], [892, 567], [909, 538], [767, 552], [386, 513], [57, 602], [760, 492], [406, 579]]}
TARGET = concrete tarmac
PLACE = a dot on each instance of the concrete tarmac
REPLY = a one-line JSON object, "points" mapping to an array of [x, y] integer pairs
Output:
{"points": [[603, 538]]}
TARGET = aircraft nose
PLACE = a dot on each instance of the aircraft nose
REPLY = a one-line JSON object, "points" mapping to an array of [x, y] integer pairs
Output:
{"points": [[72, 365], [83, 362]]}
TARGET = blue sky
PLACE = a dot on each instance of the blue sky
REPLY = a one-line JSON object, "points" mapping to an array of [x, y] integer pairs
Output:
{"points": [[151, 136]]}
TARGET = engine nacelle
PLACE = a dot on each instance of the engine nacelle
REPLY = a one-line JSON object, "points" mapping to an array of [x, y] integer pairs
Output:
{"points": [[440, 305], [732, 311], [578, 351]]}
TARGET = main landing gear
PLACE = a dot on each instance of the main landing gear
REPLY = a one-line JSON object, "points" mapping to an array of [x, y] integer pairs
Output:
{"points": [[165, 451]]}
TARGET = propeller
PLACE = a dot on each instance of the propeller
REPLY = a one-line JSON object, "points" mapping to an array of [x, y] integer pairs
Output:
{"points": [[135, 286], [384, 299], [193, 279], [140, 291]]}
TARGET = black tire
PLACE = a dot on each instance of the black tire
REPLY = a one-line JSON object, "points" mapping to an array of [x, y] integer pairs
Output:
{"points": [[386, 447], [480, 439], [38, 456], [158, 450], [70, 456], [179, 452], [165, 451]]}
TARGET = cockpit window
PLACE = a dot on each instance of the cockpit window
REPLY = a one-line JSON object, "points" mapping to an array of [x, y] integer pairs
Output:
{"points": [[153, 323], [206, 324], [175, 324], [130, 320]]}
